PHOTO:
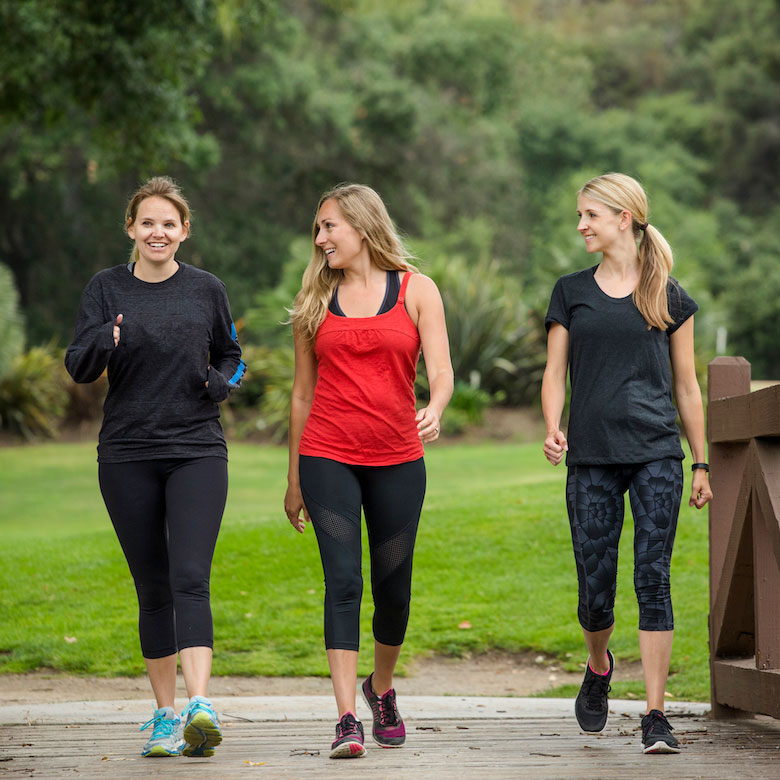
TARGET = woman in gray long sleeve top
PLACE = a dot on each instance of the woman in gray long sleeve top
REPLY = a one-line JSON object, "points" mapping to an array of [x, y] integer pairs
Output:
{"points": [[163, 331]]}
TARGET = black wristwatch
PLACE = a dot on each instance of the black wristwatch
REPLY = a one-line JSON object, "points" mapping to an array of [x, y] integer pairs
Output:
{"points": [[705, 466]]}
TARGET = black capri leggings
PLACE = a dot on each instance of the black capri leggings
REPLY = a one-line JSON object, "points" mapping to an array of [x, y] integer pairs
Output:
{"points": [[594, 499], [392, 498], [167, 514]]}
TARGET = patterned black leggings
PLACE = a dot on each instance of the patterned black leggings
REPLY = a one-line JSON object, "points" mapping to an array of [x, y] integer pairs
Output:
{"points": [[391, 498], [594, 499]]}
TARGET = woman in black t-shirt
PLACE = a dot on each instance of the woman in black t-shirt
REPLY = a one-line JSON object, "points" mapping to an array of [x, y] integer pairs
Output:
{"points": [[624, 331]]}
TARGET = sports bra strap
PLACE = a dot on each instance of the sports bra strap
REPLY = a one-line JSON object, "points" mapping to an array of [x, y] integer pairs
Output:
{"points": [[404, 283]]}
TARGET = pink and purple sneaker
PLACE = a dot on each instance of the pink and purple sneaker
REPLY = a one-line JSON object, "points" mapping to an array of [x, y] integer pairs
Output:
{"points": [[349, 738], [388, 730]]}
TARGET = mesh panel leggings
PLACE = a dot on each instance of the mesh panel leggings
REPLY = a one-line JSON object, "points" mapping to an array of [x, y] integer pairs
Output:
{"points": [[392, 498], [594, 499], [166, 514]]}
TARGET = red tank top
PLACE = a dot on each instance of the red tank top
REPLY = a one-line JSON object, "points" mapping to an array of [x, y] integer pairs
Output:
{"points": [[364, 406]]}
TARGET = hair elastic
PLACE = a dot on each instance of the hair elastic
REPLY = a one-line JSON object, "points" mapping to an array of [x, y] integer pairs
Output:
{"points": [[644, 227]]}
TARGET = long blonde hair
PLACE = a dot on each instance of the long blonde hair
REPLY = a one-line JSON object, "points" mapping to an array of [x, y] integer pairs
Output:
{"points": [[365, 211], [620, 192], [160, 187]]}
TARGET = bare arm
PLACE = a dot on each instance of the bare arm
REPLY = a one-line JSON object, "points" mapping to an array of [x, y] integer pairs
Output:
{"points": [[300, 405], [554, 392], [689, 405], [426, 307]]}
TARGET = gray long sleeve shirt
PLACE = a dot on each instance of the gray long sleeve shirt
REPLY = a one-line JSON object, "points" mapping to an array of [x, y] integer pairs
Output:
{"points": [[174, 336]]}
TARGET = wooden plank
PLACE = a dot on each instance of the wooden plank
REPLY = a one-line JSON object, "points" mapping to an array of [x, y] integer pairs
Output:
{"points": [[728, 463], [742, 686], [767, 591], [727, 376], [765, 412], [732, 626], [472, 750], [728, 420], [745, 417], [766, 536], [767, 488]]}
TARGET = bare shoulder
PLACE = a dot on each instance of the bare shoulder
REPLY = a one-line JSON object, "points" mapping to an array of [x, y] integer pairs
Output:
{"points": [[422, 288]]}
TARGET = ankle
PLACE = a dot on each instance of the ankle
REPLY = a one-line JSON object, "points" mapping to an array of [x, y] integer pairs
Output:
{"points": [[601, 669]]}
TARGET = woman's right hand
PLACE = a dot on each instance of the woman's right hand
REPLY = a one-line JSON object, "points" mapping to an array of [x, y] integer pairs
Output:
{"points": [[555, 446], [118, 322], [293, 506]]}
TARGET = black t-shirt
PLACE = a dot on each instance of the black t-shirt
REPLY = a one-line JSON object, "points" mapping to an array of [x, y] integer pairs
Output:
{"points": [[621, 380], [157, 404]]}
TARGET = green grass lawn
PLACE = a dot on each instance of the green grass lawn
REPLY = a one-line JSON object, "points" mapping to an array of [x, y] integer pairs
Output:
{"points": [[493, 550]]}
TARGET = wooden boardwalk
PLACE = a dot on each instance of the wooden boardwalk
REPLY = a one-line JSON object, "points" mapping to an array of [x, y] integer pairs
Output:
{"points": [[530, 747]]}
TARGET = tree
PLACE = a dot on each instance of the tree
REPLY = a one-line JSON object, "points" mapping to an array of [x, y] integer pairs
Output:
{"points": [[93, 97]]}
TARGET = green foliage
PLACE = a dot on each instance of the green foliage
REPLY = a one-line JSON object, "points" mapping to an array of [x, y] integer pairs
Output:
{"points": [[754, 302], [32, 394], [457, 112], [266, 322], [498, 537], [11, 322], [467, 407], [495, 341], [276, 367]]}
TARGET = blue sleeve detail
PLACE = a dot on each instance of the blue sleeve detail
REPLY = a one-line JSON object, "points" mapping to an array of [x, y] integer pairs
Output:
{"points": [[235, 380]]}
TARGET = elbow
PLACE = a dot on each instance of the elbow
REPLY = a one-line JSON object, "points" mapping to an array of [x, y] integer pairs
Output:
{"points": [[442, 376]]}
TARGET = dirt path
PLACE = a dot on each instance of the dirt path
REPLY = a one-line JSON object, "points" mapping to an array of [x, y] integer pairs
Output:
{"points": [[492, 674]]}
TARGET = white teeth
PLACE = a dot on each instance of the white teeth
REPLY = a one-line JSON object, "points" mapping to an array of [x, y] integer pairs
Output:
{"points": [[329, 251]]}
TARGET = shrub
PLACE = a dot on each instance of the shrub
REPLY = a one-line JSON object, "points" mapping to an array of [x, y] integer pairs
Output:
{"points": [[11, 322], [467, 407], [32, 394], [496, 340], [266, 391]]}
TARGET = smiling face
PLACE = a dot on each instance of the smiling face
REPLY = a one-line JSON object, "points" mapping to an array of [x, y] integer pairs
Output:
{"points": [[599, 225], [157, 230], [342, 245]]}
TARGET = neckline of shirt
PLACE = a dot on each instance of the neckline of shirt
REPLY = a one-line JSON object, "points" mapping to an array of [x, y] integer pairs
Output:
{"points": [[625, 299], [174, 275]]}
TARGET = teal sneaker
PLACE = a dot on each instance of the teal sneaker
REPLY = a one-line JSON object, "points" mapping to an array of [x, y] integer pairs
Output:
{"points": [[201, 728], [166, 739]]}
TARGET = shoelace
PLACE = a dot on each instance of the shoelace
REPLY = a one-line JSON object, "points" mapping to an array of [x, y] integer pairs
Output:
{"points": [[388, 714], [195, 707], [162, 725], [347, 726], [657, 719], [596, 692]]}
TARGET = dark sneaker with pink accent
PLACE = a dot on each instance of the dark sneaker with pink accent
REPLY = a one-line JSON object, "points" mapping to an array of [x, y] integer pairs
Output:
{"points": [[592, 703], [349, 738], [388, 730], [657, 734]]}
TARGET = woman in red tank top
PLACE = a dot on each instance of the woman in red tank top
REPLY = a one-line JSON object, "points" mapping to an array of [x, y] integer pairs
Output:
{"points": [[356, 441]]}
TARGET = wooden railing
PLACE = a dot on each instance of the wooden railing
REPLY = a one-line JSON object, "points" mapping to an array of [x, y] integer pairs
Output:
{"points": [[744, 454]]}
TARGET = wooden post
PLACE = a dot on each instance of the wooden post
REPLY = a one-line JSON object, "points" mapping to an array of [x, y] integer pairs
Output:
{"points": [[726, 377]]}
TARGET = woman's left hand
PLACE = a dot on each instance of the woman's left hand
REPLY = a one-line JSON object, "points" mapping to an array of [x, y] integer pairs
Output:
{"points": [[701, 493], [427, 424]]}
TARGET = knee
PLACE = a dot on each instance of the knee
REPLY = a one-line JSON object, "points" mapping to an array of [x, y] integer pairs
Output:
{"points": [[596, 620], [596, 609], [190, 580], [655, 607], [154, 593], [344, 587], [392, 601]]}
